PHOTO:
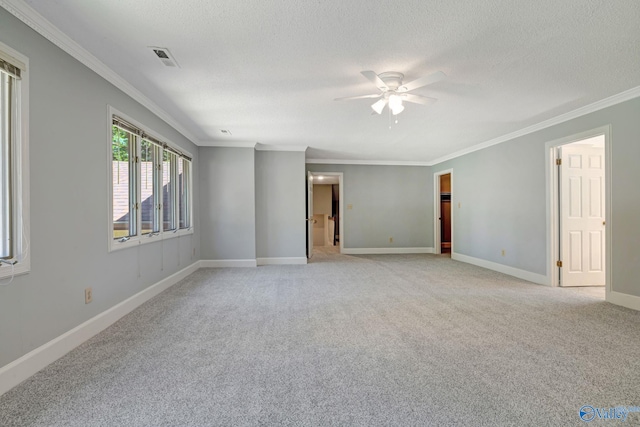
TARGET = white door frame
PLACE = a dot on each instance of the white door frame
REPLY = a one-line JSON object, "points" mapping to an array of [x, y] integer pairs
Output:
{"points": [[340, 176], [310, 220], [437, 238], [553, 219]]}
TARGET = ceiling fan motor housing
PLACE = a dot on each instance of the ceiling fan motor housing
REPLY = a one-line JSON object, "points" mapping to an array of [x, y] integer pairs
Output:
{"points": [[392, 79]]}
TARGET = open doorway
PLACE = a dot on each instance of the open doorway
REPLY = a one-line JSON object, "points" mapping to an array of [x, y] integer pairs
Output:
{"points": [[325, 229], [443, 224], [578, 176]]}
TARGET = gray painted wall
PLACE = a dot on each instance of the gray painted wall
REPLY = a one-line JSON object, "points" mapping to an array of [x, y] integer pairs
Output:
{"points": [[69, 207], [387, 201], [498, 202], [280, 204], [227, 203], [503, 201]]}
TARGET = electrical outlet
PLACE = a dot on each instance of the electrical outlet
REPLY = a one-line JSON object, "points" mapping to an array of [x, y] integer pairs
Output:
{"points": [[503, 252], [458, 205], [390, 239], [194, 251], [88, 295]]}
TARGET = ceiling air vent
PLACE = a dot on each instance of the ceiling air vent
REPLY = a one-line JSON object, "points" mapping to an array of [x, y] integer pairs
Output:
{"points": [[164, 56]]}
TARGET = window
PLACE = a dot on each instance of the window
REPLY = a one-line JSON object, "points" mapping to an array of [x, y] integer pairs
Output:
{"points": [[168, 190], [14, 258], [123, 198], [6, 153], [151, 186]]}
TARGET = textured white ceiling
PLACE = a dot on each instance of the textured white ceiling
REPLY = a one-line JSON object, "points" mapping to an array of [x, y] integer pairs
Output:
{"points": [[268, 70]]}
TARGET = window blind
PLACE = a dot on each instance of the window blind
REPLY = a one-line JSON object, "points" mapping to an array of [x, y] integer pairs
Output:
{"points": [[125, 125], [10, 69]]}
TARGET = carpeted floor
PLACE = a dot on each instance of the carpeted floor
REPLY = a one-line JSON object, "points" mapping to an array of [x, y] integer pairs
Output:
{"points": [[400, 340]]}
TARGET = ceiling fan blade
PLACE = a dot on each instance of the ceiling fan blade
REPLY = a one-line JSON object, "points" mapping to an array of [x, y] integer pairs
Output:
{"points": [[422, 81], [347, 98], [371, 75], [418, 99]]}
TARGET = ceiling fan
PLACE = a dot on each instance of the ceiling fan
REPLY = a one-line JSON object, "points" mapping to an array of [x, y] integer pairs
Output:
{"points": [[394, 92]]}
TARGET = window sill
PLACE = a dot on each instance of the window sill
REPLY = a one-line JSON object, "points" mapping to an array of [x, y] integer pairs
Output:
{"points": [[115, 245], [22, 267]]}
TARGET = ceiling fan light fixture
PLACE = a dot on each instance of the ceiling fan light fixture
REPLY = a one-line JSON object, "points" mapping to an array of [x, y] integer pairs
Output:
{"points": [[378, 106], [399, 109], [395, 104]]}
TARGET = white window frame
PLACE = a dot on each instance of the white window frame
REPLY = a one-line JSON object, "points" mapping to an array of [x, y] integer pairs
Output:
{"points": [[187, 193], [141, 239], [157, 188], [173, 169], [20, 168]]}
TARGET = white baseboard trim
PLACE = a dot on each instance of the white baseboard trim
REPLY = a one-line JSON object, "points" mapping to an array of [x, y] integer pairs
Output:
{"points": [[20, 369], [625, 300], [282, 261], [218, 263], [383, 251], [501, 268]]}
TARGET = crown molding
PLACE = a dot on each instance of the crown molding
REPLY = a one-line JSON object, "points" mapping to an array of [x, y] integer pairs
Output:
{"points": [[268, 147], [591, 108], [42, 26], [365, 162], [255, 145], [224, 144]]}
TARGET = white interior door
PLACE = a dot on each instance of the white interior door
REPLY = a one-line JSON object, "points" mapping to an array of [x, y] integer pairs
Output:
{"points": [[309, 215], [437, 229], [582, 222]]}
